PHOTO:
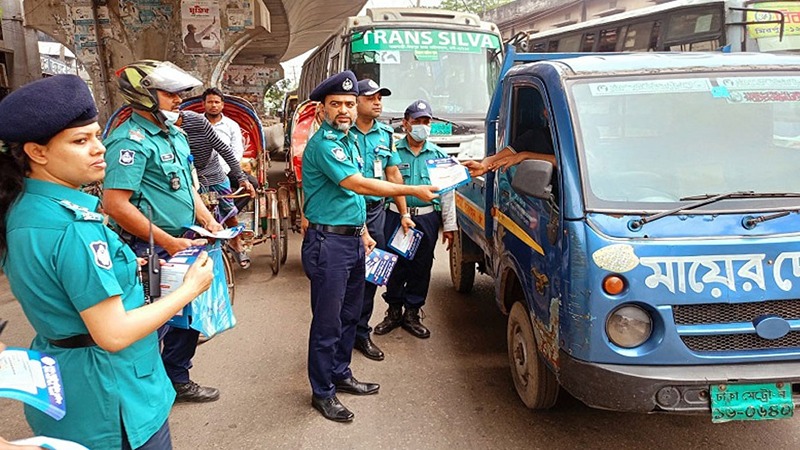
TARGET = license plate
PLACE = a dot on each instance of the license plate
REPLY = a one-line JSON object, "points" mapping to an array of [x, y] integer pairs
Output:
{"points": [[767, 401], [441, 129]]}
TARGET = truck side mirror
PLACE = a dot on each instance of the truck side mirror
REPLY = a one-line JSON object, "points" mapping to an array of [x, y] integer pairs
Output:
{"points": [[532, 178]]}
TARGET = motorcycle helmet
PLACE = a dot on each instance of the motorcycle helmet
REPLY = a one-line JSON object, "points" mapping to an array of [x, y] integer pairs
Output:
{"points": [[139, 81]]}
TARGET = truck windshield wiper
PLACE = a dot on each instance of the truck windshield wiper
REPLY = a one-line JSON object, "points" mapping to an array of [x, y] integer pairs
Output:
{"points": [[750, 222], [745, 194], [636, 225]]}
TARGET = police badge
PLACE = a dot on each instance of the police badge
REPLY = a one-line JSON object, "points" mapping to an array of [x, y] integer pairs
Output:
{"points": [[339, 154], [101, 256], [126, 157]]}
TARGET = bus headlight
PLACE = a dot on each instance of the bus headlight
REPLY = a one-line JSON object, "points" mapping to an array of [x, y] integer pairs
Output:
{"points": [[473, 149], [629, 326]]}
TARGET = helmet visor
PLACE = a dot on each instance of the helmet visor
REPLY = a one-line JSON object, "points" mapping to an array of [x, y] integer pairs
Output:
{"points": [[170, 78]]}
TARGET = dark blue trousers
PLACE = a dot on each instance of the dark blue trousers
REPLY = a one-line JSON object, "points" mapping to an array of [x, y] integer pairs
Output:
{"points": [[178, 345], [335, 265], [409, 282], [162, 440], [376, 219]]}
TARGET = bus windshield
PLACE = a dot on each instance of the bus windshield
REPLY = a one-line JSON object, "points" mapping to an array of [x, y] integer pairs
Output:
{"points": [[648, 143], [455, 71]]}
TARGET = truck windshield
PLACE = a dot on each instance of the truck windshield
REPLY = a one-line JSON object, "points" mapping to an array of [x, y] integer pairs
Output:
{"points": [[453, 70], [652, 142]]}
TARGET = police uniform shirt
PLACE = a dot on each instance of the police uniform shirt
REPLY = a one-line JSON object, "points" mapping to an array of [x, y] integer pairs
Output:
{"points": [[61, 260], [143, 158], [375, 147], [414, 168], [330, 157]]}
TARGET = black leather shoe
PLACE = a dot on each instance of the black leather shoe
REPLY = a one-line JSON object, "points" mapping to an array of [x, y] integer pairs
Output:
{"points": [[393, 319], [355, 387], [332, 409], [369, 349], [413, 324], [193, 392]]}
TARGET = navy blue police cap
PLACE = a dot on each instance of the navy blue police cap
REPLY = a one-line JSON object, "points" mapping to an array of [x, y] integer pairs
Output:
{"points": [[39, 110], [343, 83], [369, 87], [419, 108]]}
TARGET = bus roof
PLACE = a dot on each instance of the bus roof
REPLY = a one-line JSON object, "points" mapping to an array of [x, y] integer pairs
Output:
{"points": [[626, 16], [395, 17], [666, 61]]}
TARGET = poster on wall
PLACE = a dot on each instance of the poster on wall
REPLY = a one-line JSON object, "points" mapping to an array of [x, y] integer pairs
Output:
{"points": [[137, 15], [249, 78], [201, 32], [240, 15]]}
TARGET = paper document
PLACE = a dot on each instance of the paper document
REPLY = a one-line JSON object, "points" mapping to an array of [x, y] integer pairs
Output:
{"points": [[447, 173], [32, 378], [227, 233], [405, 244], [380, 264]]}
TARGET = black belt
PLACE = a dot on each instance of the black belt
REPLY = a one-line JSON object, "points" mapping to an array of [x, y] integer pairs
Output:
{"points": [[338, 229], [79, 341], [373, 205]]}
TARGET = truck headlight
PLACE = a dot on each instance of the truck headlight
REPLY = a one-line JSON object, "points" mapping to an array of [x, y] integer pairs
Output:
{"points": [[473, 149], [629, 326]]}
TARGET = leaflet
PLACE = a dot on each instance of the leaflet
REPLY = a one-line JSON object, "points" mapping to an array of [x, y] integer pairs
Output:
{"points": [[447, 174], [227, 233], [380, 264], [405, 244], [32, 378]]}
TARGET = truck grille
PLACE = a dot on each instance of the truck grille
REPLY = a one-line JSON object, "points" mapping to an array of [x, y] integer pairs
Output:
{"points": [[734, 312], [731, 342]]}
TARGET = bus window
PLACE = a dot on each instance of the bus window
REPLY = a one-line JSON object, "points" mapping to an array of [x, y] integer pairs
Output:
{"points": [[552, 46], [588, 42], [637, 37], [702, 46], [683, 26], [539, 47], [608, 40], [654, 37], [569, 43]]}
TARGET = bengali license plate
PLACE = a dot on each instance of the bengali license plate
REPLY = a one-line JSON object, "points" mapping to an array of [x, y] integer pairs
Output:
{"points": [[766, 401]]}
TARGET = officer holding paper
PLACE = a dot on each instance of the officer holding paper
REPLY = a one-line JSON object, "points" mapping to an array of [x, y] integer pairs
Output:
{"points": [[408, 284]]}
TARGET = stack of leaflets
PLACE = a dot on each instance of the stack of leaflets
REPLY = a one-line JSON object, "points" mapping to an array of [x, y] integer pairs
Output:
{"points": [[447, 173], [32, 378], [405, 244], [380, 264]]}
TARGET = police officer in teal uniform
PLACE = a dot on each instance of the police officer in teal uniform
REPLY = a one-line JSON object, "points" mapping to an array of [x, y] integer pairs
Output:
{"points": [[149, 170], [408, 285], [336, 241], [376, 147], [75, 279]]}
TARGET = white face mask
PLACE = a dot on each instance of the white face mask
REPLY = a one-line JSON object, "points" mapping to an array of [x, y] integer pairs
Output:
{"points": [[171, 116], [420, 132]]}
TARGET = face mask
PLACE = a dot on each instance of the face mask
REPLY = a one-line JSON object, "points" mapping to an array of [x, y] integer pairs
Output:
{"points": [[171, 116], [420, 132]]}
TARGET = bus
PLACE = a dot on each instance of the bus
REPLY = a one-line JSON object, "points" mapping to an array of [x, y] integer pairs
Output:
{"points": [[682, 25], [451, 59]]}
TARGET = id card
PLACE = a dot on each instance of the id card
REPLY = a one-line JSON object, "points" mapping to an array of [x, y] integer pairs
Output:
{"points": [[377, 169]]}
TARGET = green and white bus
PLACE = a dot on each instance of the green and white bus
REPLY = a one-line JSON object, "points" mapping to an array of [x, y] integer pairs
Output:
{"points": [[451, 59], [682, 25]]}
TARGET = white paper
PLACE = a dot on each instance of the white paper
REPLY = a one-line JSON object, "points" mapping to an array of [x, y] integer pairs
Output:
{"points": [[227, 233], [447, 173], [16, 371]]}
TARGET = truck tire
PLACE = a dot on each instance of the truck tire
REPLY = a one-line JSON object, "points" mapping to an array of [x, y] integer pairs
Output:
{"points": [[462, 273], [536, 385]]}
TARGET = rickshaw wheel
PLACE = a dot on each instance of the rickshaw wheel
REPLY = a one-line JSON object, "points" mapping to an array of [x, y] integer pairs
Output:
{"points": [[284, 239], [275, 244]]}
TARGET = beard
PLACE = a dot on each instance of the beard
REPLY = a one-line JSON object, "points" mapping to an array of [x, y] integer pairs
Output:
{"points": [[343, 127]]}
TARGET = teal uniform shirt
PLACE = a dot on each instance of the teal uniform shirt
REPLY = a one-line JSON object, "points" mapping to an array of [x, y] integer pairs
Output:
{"points": [[330, 157], [414, 168], [143, 158], [375, 147], [62, 260]]}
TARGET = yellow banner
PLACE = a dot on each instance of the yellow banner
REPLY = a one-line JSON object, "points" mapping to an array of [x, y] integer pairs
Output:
{"points": [[791, 19]]}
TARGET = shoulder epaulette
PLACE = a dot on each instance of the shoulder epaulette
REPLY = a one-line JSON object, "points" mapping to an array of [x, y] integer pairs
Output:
{"points": [[82, 213]]}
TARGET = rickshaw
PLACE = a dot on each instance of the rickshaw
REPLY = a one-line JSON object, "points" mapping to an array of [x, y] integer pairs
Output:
{"points": [[303, 127]]}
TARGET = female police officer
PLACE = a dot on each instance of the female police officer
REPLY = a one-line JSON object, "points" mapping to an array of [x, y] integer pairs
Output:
{"points": [[75, 279]]}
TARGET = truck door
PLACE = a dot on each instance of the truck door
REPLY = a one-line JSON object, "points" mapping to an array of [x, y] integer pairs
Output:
{"points": [[531, 229]]}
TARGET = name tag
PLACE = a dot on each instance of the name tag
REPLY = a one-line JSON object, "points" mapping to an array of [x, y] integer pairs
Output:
{"points": [[403, 166], [167, 157], [377, 168]]}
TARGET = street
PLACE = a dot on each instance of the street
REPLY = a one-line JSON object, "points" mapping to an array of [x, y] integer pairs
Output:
{"points": [[453, 390]]}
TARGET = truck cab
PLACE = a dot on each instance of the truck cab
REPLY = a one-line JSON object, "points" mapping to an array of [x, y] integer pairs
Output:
{"points": [[655, 267]]}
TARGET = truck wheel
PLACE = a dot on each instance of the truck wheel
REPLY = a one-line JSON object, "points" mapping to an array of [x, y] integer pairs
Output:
{"points": [[462, 273], [535, 383]]}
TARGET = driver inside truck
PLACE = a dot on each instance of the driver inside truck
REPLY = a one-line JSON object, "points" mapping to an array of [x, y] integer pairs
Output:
{"points": [[533, 143]]}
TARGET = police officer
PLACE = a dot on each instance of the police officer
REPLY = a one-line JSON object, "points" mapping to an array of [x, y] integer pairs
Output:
{"points": [[75, 279], [148, 170], [335, 242], [408, 284], [376, 148]]}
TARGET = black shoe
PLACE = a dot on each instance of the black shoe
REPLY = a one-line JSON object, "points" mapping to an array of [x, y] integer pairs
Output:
{"points": [[355, 387], [413, 324], [369, 349], [193, 392], [393, 319], [332, 409]]}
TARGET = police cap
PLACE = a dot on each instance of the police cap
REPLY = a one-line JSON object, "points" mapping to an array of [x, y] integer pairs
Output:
{"points": [[369, 87], [419, 108], [39, 110], [343, 83]]}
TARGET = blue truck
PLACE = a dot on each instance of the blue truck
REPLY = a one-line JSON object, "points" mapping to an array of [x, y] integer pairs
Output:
{"points": [[655, 267]]}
